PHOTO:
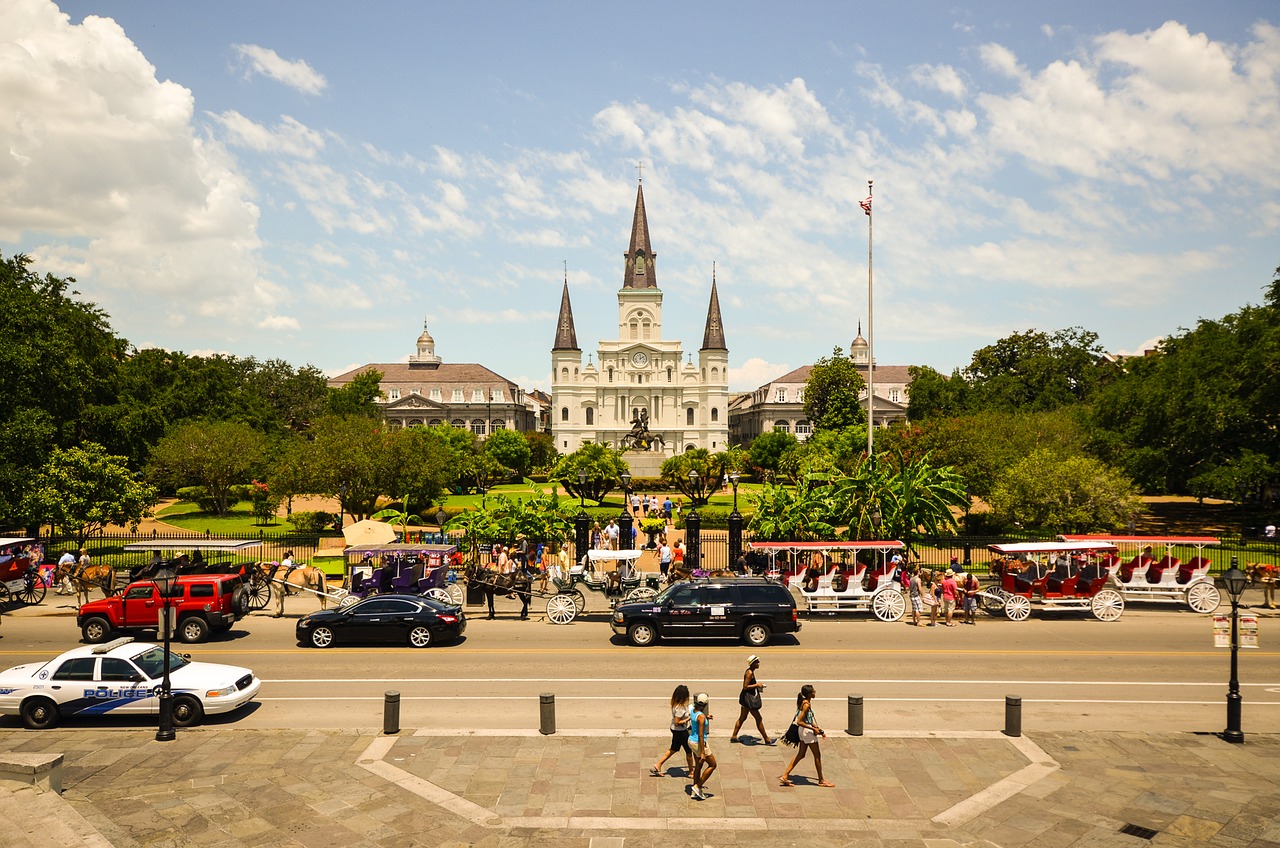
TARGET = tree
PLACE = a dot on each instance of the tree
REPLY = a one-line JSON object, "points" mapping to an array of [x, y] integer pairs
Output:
{"points": [[825, 453], [675, 474], [542, 448], [212, 454], [767, 450], [788, 513], [510, 449], [934, 395], [357, 397], [1073, 494], [1036, 371], [82, 490], [603, 465], [59, 359], [832, 391]]}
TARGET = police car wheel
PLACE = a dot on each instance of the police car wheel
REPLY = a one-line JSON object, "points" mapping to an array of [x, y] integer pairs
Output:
{"points": [[187, 711], [39, 713]]}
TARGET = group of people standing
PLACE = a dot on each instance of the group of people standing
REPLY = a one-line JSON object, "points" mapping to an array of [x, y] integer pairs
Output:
{"points": [[691, 731], [947, 592]]}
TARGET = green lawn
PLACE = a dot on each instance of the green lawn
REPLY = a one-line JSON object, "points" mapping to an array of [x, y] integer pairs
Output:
{"points": [[239, 521]]}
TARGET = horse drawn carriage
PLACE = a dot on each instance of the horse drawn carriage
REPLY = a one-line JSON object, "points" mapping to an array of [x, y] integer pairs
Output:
{"points": [[621, 584], [401, 567], [207, 556], [19, 576], [1056, 575], [1167, 580], [842, 576]]}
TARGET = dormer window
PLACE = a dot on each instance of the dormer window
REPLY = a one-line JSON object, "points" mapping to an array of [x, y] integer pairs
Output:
{"points": [[393, 394]]}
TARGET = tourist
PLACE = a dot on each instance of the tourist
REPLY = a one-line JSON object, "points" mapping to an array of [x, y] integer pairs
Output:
{"points": [[808, 733], [704, 762], [751, 699], [950, 592], [680, 721]]}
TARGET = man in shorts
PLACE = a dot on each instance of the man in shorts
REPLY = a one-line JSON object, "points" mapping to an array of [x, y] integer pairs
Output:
{"points": [[950, 591], [970, 589], [917, 601]]}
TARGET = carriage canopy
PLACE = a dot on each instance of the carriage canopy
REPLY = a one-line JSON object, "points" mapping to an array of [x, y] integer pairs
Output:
{"points": [[777, 547], [192, 544], [1063, 547]]}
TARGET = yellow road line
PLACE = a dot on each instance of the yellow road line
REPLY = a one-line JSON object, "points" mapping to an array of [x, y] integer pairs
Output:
{"points": [[684, 651]]}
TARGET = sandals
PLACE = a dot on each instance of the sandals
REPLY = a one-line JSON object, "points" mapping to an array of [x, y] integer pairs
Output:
{"points": [[653, 772], [785, 781], [826, 783]]}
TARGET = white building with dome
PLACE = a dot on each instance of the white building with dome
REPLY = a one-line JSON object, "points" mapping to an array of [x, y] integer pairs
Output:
{"points": [[640, 372]]}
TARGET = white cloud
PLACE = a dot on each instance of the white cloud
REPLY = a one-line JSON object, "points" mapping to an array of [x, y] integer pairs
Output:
{"points": [[943, 78], [1150, 344], [289, 138], [754, 373], [296, 74], [107, 178], [278, 322]]}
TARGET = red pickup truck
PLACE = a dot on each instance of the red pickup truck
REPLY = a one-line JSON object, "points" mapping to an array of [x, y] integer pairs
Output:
{"points": [[204, 604]]}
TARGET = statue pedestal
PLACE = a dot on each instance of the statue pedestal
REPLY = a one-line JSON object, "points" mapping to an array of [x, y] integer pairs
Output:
{"points": [[645, 463]]}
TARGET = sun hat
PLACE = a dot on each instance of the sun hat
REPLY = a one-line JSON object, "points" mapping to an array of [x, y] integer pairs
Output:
{"points": [[701, 698], [752, 659]]}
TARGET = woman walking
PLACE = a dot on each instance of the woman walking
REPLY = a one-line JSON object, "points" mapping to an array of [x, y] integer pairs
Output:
{"points": [[809, 733], [679, 731], [704, 762], [751, 699]]}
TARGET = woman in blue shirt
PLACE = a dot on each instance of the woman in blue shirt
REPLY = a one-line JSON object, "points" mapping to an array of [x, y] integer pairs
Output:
{"points": [[809, 733]]}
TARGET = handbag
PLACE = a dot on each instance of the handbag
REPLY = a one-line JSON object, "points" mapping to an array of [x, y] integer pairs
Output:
{"points": [[792, 736], [751, 699]]}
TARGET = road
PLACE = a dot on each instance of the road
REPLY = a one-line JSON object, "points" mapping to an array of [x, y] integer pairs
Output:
{"points": [[1155, 669]]}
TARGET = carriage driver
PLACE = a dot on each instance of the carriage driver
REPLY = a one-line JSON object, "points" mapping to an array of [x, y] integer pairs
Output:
{"points": [[282, 582]]}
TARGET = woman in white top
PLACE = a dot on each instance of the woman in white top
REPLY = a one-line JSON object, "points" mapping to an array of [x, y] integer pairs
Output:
{"points": [[679, 730]]}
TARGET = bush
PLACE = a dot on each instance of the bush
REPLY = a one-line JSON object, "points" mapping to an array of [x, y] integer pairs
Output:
{"points": [[647, 485], [713, 518], [199, 496], [312, 522]]}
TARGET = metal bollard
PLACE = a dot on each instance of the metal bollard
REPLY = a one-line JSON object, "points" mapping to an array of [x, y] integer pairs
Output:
{"points": [[546, 714], [391, 713], [1012, 715], [855, 715]]}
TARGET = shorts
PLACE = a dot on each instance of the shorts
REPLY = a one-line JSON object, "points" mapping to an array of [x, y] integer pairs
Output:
{"points": [[948, 605], [971, 604], [807, 735], [917, 604], [680, 739]]}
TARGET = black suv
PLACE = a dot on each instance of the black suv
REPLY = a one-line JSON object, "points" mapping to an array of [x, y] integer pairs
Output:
{"points": [[749, 608]]}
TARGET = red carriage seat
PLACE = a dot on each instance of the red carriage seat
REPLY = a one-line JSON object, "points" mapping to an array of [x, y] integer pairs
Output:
{"points": [[1168, 563], [1108, 563], [1189, 569], [1139, 563], [1032, 578]]}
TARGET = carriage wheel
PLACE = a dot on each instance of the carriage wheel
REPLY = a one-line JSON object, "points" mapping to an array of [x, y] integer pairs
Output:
{"points": [[1203, 597], [579, 599], [32, 591], [4, 596], [454, 591], [259, 594], [561, 609], [435, 593], [348, 601], [888, 605], [1107, 605], [993, 600], [1017, 607], [639, 596]]}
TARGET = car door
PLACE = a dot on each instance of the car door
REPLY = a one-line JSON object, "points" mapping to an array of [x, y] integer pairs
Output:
{"points": [[127, 687], [368, 621], [716, 604], [682, 615], [73, 687], [398, 618], [140, 606]]}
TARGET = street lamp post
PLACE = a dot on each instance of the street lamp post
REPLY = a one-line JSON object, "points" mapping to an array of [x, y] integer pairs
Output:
{"points": [[1234, 581], [342, 506], [582, 486], [164, 580], [735, 524], [625, 521], [582, 534], [693, 526]]}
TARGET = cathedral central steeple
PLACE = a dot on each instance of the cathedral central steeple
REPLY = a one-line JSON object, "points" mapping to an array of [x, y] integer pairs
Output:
{"points": [[640, 272]]}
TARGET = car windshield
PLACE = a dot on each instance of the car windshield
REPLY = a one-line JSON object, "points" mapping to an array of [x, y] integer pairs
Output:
{"points": [[151, 661], [666, 593]]}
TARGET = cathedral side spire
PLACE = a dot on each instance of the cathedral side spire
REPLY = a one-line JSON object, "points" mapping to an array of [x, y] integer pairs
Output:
{"points": [[640, 273], [713, 335], [566, 336]]}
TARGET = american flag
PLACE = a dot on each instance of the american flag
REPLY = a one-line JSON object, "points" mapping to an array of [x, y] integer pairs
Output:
{"points": [[866, 206]]}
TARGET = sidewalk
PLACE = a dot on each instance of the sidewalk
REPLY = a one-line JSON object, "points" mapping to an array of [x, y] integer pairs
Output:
{"points": [[227, 787]]}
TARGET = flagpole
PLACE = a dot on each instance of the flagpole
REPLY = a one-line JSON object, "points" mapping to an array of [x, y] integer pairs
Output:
{"points": [[871, 336]]}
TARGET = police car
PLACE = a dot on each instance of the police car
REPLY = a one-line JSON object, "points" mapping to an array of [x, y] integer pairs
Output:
{"points": [[122, 677]]}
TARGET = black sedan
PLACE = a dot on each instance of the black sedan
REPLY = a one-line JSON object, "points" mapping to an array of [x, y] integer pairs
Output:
{"points": [[400, 619]]}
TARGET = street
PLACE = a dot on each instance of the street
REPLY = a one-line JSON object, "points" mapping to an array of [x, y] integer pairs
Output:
{"points": [[1155, 669]]}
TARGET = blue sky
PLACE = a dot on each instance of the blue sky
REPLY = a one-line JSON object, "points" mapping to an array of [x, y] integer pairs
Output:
{"points": [[312, 180]]}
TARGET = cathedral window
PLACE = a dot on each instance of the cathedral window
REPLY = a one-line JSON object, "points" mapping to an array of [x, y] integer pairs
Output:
{"points": [[644, 329], [591, 417], [715, 415], [715, 375], [611, 374], [564, 413], [688, 417], [634, 326], [564, 374], [668, 373], [639, 261]]}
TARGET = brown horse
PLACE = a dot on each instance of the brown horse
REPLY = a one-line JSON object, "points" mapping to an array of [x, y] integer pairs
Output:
{"points": [[683, 572], [84, 580], [1266, 574], [296, 580], [518, 583]]}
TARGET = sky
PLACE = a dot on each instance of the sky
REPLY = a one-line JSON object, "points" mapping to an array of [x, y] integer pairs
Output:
{"points": [[313, 180]]}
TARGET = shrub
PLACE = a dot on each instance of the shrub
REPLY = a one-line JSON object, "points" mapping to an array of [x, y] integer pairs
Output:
{"points": [[312, 522], [199, 496]]}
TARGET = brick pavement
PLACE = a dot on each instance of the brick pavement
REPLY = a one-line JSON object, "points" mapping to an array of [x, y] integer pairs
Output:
{"points": [[219, 786]]}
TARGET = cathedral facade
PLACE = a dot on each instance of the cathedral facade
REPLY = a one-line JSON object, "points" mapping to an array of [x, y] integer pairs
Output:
{"points": [[642, 381]]}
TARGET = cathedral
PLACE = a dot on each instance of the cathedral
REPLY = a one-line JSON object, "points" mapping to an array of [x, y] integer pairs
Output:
{"points": [[642, 382]]}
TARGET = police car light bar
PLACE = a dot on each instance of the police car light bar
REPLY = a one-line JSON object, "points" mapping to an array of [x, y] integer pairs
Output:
{"points": [[106, 647]]}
